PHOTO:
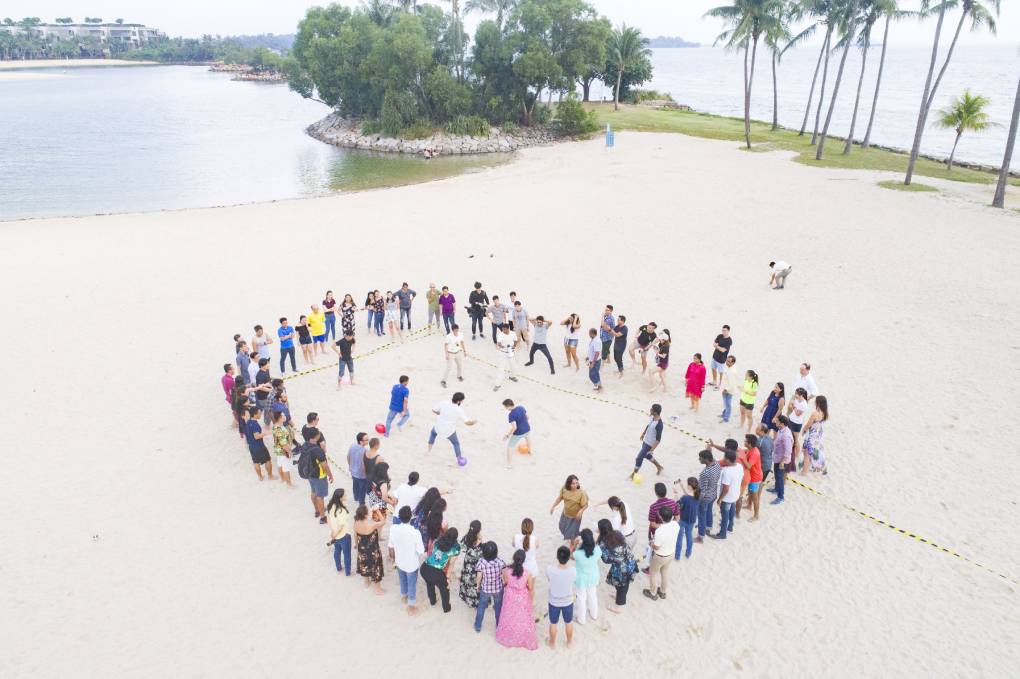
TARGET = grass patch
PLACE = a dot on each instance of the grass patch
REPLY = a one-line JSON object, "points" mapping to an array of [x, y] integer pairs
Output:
{"points": [[897, 185], [763, 137]]}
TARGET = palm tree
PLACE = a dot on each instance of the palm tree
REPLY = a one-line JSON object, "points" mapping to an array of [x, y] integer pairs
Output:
{"points": [[893, 12], [627, 47], [379, 11], [459, 31], [871, 10], [966, 112], [819, 9], [778, 33], [848, 21], [498, 7], [1000, 186], [979, 16], [749, 20]]}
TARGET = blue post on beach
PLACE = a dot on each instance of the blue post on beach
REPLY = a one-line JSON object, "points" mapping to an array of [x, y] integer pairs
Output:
{"points": [[610, 136]]}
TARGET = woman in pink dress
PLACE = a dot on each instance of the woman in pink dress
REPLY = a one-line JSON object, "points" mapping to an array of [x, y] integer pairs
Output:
{"points": [[516, 626], [695, 381]]}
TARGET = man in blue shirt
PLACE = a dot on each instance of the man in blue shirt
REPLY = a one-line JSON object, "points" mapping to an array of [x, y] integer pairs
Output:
{"points": [[606, 332], [286, 334], [520, 429], [398, 404]]}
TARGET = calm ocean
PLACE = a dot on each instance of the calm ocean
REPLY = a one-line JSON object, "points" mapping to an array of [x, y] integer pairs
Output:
{"points": [[95, 140]]}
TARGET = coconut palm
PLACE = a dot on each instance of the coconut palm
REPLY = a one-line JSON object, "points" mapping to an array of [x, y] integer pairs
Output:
{"points": [[748, 20], [779, 39], [458, 29], [819, 10], [626, 48], [979, 16], [500, 8], [966, 112], [893, 13], [1000, 186], [848, 19], [871, 11]]}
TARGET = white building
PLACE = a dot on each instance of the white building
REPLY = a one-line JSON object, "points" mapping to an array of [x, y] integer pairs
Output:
{"points": [[133, 34]]}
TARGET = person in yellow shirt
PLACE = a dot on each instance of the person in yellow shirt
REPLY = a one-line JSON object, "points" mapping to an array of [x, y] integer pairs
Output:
{"points": [[317, 326]]}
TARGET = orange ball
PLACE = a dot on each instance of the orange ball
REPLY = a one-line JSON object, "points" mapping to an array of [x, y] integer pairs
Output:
{"points": [[523, 448]]}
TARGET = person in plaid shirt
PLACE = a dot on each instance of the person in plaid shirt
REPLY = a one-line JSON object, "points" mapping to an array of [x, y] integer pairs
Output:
{"points": [[490, 583]]}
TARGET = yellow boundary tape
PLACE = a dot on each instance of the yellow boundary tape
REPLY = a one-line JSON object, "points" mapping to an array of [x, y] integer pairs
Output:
{"points": [[417, 334]]}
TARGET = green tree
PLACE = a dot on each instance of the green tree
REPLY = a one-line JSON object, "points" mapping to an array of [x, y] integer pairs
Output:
{"points": [[779, 39], [964, 113], [872, 11], [533, 64], [627, 49], [573, 119], [980, 16], [579, 38], [1000, 187], [892, 13], [748, 21]]}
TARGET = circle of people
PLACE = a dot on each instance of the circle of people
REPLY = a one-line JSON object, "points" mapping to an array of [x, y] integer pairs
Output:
{"points": [[421, 543]]}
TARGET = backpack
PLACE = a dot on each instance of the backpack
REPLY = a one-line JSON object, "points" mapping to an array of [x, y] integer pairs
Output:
{"points": [[306, 461]]}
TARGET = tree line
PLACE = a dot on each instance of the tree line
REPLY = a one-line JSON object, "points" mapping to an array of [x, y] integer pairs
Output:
{"points": [[851, 24], [404, 64]]}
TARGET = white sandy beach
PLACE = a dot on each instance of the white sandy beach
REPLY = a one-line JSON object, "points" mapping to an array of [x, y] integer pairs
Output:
{"points": [[138, 541]]}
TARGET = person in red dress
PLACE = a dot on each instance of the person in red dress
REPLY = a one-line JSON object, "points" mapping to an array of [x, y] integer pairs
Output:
{"points": [[695, 378]]}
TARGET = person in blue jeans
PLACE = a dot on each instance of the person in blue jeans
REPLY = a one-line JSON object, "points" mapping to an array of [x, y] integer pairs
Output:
{"points": [[708, 487], [729, 491], [732, 385], [490, 583], [339, 519], [688, 504], [286, 335], [399, 396], [408, 548], [782, 453]]}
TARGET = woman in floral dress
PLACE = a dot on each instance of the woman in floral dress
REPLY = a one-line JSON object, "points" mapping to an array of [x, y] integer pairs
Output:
{"points": [[516, 627], [370, 561], [347, 309], [814, 436], [622, 564], [379, 305], [472, 552]]}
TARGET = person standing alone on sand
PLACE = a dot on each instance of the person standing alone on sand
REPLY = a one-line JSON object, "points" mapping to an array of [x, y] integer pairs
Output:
{"points": [[539, 342], [720, 352], [344, 348], [695, 380], [454, 351], [450, 415], [520, 429], [575, 501], [594, 359], [650, 439], [399, 396], [780, 270], [478, 301]]}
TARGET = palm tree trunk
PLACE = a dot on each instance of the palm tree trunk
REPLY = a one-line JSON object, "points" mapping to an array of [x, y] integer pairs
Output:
{"points": [[835, 92], [878, 83], [775, 94], [619, 81], [747, 100], [811, 92], [1000, 187], [949, 163], [821, 93], [945, 64], [860, 84], [922, 114]]}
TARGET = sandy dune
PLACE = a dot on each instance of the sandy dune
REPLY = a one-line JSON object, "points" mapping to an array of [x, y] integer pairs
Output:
{"points": [[137, 541]]}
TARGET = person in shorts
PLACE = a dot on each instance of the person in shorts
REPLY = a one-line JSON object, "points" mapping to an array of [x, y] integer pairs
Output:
{"points": [[720, 352], [561, 595], [646, 335], [520, 429], [321, 475], [344, 348], [651, 436], [317, 326]]}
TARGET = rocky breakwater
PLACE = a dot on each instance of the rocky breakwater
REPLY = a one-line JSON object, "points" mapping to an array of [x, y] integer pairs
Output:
{"points": [[347, 133]]}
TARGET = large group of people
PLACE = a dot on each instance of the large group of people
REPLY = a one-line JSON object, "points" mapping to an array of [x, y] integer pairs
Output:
{"points": [[374, 527]]}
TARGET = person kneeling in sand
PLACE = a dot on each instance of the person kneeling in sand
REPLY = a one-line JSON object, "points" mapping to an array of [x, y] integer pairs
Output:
{"points": [[780, 270]]}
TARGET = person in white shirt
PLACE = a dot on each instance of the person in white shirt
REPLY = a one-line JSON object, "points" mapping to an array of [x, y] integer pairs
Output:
{"points": [[454, 351], [449, 416], [407, 546], [732, 385], [663, 545], [797, 411], [506, 342], [729, 490], [621, 519], [780, 270], [806, 381], [408, 494], [253, 367], [594, 359]]}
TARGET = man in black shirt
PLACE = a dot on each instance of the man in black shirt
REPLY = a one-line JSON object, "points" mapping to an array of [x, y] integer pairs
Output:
{"points": [[478, 301], [343, 348], [646, 335], [313, 426], [619, 342], [723, 342], [263, 390]]}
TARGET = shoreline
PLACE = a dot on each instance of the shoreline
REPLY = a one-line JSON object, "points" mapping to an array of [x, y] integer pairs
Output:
{"points": [[27, 64]]}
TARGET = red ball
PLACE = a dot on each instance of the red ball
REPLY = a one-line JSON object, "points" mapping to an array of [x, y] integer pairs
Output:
{"points": [[380, 428]]}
